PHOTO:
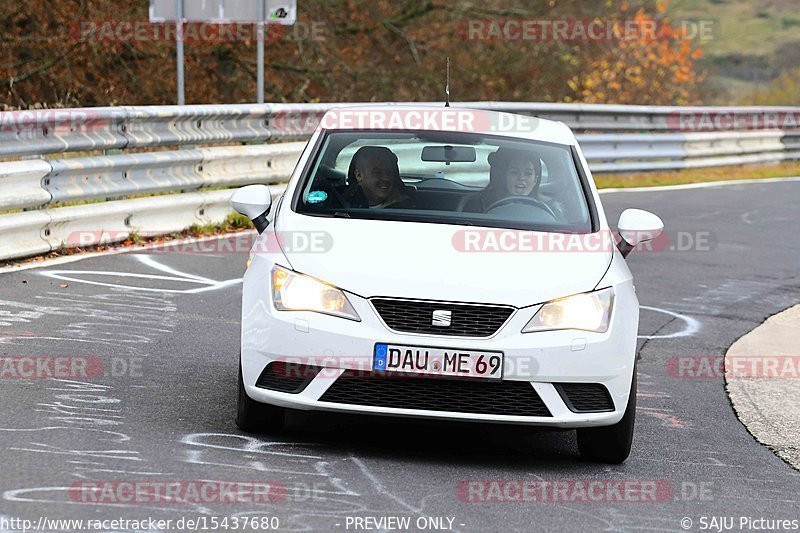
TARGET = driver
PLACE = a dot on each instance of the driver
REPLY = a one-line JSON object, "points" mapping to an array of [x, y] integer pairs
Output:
{"points": [[374, 179], [511, 173]]}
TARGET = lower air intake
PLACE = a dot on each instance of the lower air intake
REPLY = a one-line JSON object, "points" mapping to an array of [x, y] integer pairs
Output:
{"points": [[287, 377], [510, 398], [585, 397]]}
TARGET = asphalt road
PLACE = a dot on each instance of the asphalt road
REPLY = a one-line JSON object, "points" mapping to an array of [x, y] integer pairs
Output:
{"points": [[163, 406]]}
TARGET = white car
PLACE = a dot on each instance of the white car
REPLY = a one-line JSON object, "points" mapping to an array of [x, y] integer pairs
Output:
{"points": [[444, 263]]}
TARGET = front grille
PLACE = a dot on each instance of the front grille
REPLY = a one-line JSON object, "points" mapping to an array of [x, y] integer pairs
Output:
{"points": [[511, 398], [287, 377], [585, 397], [467, 320]]}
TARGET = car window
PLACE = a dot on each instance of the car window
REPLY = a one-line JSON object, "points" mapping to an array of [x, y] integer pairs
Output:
{"points": [[493, 182], [409, 153]]}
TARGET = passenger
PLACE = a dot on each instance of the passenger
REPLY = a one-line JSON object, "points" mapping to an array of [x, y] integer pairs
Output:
{"points": [[374, 180]]}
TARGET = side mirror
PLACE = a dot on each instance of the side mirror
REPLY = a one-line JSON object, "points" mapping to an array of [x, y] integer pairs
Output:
{"points": [[636, 226], [254, 202]]}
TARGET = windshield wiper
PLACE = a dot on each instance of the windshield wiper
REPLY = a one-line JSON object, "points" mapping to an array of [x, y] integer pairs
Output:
{"points": [[341, 214]]}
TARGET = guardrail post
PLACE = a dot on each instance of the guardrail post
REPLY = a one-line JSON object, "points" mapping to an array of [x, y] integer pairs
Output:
{"points": [[179, 46], [261, 44]]}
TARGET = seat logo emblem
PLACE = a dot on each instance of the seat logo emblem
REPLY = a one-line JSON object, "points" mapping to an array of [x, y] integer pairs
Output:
{"points": [[442, 318]]}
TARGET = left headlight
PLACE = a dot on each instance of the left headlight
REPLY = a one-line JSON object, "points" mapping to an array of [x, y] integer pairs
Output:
{"points": [[589, 311], [296, 292]]}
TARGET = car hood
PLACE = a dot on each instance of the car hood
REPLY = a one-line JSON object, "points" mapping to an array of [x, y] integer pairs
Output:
{"points": [[444, 262]]}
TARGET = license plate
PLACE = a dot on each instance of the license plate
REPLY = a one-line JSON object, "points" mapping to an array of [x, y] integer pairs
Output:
{"points": [[438, 361]]}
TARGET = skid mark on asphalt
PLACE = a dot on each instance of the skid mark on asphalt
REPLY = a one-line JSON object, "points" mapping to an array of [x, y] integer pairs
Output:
{"points": [[246, 444], [663, 415], [691, 325], [23, 312], [93, 409], [315, 486], [747, 217], [379, 487], [62, 429], [176, 276], [717, 299], [71, 404], [307, 477], [104, 319], [242, 452]]}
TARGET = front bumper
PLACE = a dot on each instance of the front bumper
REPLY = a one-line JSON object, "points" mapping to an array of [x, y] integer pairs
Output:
{"points": [[540, 359]]}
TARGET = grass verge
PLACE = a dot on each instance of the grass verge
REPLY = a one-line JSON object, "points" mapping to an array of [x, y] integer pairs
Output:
{"points": [[697, 175]]}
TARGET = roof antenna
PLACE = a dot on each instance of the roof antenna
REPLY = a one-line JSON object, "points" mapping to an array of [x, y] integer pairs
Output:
{"points": [[447, 85]]}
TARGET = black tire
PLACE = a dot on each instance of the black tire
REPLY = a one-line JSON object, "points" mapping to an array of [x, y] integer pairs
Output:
{"points": [[257, 417], [611, 444]]}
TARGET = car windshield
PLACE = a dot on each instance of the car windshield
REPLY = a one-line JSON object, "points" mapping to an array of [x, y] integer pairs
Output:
{"points": [[448, 178]]}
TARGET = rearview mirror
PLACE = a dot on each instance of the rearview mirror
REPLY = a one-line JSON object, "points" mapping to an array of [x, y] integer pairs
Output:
{"points": [[449, 154], [254, 202], [636, 226]]}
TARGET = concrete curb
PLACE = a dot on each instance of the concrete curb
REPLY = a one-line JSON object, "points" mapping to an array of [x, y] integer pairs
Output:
{"points": [[762, 376]]}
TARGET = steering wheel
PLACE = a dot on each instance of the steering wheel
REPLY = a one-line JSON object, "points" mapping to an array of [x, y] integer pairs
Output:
{"points": [[522, 200]]}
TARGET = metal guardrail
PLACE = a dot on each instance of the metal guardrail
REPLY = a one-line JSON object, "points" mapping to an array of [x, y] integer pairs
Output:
{"points": [[112, 166], [674, 151]]}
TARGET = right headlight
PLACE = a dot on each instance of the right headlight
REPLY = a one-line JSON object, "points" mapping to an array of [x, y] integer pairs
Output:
{"points": [[588, 311], [292, 291]]}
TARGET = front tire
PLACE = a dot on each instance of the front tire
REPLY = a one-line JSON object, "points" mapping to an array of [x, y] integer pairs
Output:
{"points": [[611, 444], [257, 417]]}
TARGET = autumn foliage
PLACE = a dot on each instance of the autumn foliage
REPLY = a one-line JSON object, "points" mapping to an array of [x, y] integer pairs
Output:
{"points": [[345, 50], [645, 71]]}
